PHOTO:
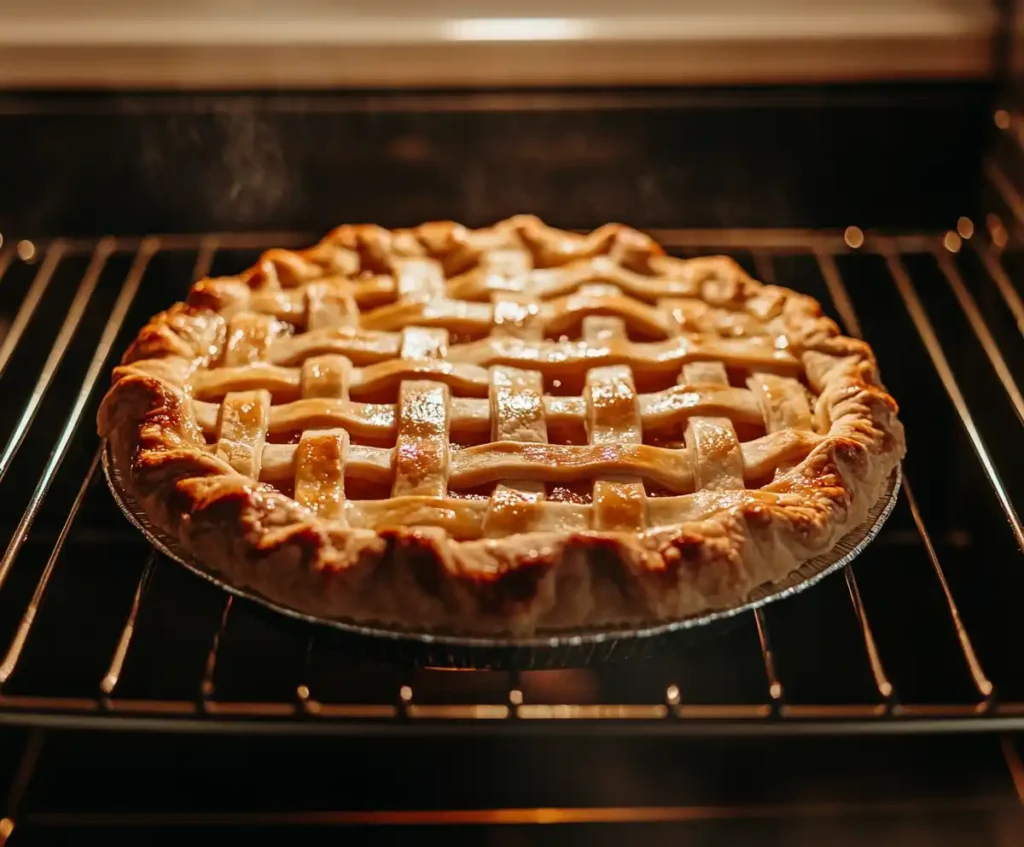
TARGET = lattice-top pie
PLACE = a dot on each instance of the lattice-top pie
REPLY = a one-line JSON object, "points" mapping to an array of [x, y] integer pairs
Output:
{"points": [[505, 429]]}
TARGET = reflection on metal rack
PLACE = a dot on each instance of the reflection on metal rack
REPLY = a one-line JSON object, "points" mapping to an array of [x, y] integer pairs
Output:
{"points": [[658, 698], [113, 674]]}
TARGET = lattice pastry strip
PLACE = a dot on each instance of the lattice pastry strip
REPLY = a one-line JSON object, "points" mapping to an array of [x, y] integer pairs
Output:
{"points": [[423, 343], [466, 379], [419, 279], [504, 270], [378, 351], [249, 338], [323, 404], [553, 317], [619, 503], [423, 418], [613, 418], [325, 377], [558, 358], [517, 414], [329, 306], [783, 402], [712, 442], [463, 300], [421, 453], [242, 431], [516, 396], [320, 472], [516, 316], [785, 406]]}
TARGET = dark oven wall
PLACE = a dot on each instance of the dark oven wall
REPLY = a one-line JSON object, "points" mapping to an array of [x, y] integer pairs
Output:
{"points": [[896, 156]]}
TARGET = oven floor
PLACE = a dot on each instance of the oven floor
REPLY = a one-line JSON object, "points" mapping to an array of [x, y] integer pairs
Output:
{"points": [[155, 789]]}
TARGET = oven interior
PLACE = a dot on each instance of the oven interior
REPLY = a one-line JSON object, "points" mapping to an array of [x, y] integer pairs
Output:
{"points": [[138, 701]]}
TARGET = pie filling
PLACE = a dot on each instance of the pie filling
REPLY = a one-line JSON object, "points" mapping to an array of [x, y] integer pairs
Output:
{"points": [[509, 418]]}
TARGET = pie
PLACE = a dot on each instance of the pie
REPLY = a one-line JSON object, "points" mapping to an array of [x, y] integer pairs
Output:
{"points": [[504, 430]]}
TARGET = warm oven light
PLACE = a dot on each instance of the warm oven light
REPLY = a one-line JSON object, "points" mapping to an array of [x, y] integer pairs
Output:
{"points": [[517, 29]]}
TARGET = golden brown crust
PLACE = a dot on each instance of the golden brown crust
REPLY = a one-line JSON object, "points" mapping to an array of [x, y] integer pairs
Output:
{"points": [[447, 573]]}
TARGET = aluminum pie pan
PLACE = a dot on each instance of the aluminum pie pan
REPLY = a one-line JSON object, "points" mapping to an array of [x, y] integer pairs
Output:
{"points": [[599, 642]]}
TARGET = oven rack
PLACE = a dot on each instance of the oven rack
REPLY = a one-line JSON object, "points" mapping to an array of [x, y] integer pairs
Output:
{"points": [[96, 632]]}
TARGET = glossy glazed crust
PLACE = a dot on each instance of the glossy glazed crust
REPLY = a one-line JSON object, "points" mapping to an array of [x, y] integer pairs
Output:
{"points": [[420, 577]]}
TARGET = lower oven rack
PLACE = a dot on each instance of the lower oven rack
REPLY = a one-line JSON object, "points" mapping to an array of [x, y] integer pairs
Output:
{"points": [[98, 631]]}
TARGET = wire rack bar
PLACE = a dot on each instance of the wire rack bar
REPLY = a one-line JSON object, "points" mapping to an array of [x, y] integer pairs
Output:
{"points": [[768, 241], [990, 259], [376, 721], [204, 257], [885, 688], [54, 253], [57, 352], [926, 331], [981, 330], [207, 685], [113, 674], [304, 701], [764, 267], [6, 257], [844, 305], [10, 662], [103, 348], [26, 770], [981, 681], [1007, 192], [774, 686], [1014, 765]]}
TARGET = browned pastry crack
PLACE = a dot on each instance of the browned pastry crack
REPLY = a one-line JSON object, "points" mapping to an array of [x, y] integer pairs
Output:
{"points": [[506, 429]]}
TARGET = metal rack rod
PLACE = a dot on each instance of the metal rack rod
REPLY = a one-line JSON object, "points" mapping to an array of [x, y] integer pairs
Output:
{"points": [[981, 681], [1007, 191], [207, 686], [926, 331], [844, 305], [26, 770], [10, 662], [6, 257], [41, 282], [124, 641], [841, 299], [60, 347], [981, 330], [990, 259], [774, 686], [103, 348]]}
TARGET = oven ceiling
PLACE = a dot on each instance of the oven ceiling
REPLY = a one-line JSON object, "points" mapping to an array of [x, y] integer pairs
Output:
{"points": [[314, 43]]}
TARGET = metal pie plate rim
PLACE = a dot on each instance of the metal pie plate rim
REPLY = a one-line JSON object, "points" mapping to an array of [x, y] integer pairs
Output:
{"points": [[808, 574]]}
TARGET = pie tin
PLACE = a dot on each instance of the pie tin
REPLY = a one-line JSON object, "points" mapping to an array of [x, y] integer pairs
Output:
{"points": [[554, 649]]}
